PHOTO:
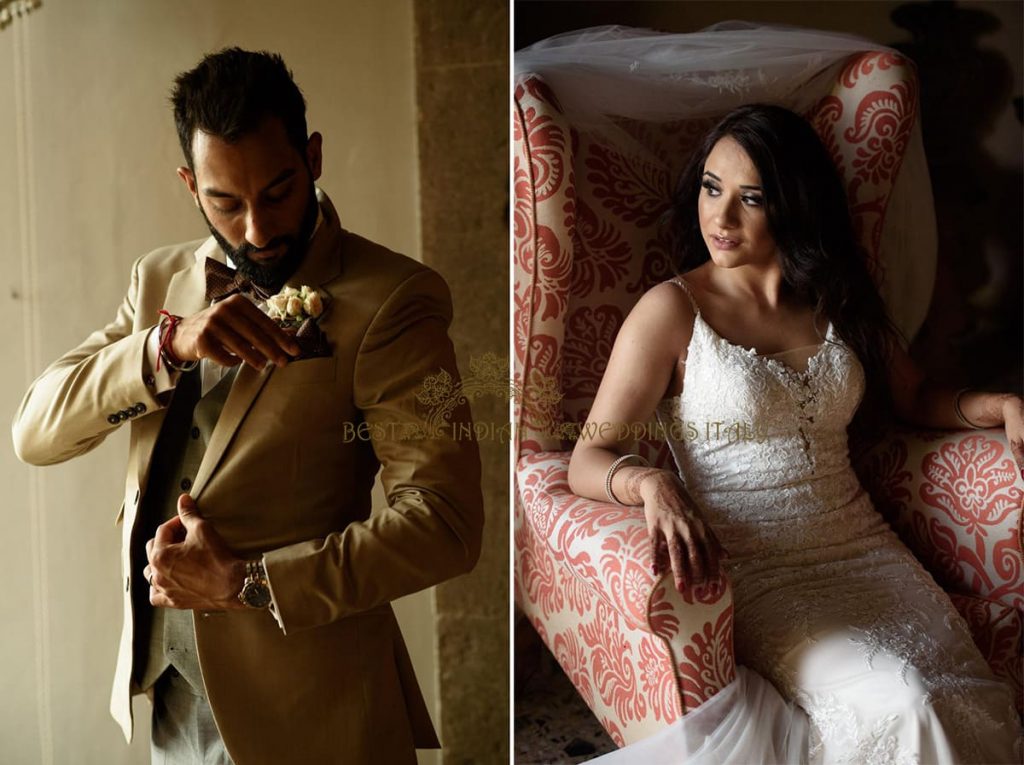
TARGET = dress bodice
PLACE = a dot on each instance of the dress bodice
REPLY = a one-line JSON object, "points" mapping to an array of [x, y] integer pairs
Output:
{"points": [[747, 427]]}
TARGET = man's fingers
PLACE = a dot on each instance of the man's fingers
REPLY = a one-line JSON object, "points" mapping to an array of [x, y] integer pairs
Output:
{"points": [[260, 330], [154, 580], [270, 339], [253, 339], [187, 505], [169, 533], [149, 550], [188, 512], [214, 351], [225, 333], [216, 341]]}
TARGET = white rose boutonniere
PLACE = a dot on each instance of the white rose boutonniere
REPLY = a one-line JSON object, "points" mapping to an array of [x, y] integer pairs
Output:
{"points": [[293, 306], [297, 311]]}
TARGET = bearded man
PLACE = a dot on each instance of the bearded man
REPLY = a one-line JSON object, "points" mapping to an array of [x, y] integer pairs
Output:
{"points": [[266, 374]]}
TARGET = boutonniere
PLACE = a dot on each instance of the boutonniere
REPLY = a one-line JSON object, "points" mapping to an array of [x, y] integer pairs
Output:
{"points": [[298, 312]]}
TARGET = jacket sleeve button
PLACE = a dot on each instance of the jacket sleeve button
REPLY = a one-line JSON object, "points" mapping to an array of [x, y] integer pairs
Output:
{"points": [[113, 419]]}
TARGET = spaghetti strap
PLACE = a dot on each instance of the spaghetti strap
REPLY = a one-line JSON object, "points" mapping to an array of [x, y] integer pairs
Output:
{"points": [[678, 281]]}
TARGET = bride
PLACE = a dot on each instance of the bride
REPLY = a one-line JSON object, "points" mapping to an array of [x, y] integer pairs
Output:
{"points": [[849, 651]]}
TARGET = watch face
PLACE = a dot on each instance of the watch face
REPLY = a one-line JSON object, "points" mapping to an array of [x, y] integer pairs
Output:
{"points": [[256, 595]]}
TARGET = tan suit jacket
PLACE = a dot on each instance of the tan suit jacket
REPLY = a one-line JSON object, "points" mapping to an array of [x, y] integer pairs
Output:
{"points": [[284, 474]]}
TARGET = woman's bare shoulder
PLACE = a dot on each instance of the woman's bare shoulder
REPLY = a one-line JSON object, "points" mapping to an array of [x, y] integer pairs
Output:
{"points": [[670, 294], [666, 304], [663, 316]]}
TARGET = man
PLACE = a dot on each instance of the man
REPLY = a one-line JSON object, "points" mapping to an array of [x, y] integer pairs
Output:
{"points": [[257, 582]]}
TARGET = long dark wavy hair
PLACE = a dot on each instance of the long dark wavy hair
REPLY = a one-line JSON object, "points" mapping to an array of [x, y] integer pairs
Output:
{"points": [[808, 216]]}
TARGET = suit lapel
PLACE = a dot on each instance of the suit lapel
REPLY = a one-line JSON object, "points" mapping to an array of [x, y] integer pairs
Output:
{"points": [[246, 386], [186, 294]]}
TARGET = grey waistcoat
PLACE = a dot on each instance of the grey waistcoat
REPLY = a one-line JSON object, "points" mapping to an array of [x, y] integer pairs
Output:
{"points": [[165, 636]]}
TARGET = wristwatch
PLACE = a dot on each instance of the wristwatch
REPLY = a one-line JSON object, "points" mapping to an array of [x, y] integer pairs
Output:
{"points": [[255, 592]]}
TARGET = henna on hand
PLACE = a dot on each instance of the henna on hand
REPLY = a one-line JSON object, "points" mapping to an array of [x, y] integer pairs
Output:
{"points": [[680, 540], [633, 479]]}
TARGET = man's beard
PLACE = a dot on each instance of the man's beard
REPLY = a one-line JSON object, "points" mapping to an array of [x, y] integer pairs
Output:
{"points": [[271, 276]]}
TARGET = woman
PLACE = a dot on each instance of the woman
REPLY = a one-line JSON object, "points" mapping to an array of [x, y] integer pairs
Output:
{"points": [[776, 324]]}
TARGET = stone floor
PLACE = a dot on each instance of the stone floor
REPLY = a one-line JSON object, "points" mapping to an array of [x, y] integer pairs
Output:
{"points": [[553, 726]]}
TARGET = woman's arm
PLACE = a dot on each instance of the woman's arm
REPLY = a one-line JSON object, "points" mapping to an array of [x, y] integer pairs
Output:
{"points": [[922, 402], [637, 377]]}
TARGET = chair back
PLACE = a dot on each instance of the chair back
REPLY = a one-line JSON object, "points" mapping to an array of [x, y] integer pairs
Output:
{"points": [[590, 239]]}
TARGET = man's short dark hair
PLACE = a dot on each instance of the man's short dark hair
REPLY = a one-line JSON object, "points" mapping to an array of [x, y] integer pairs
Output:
{"points": [[229, 94]]}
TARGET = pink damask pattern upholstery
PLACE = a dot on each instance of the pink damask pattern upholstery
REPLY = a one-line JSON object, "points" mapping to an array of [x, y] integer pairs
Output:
{"points": [[955, 499], [638, 652], [588, 244]]}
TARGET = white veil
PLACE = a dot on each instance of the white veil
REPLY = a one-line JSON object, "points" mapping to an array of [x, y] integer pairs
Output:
{"points": [[607, 72], [605, 75]]}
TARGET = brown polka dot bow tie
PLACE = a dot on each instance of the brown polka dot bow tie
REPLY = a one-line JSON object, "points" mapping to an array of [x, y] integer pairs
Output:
{"points": [[223, 282]]}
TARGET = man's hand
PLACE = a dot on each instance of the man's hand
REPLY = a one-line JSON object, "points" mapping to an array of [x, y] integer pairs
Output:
{"points": [[190, 566], [232, 331]]}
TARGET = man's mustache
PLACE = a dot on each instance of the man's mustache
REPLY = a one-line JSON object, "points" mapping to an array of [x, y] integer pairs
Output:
{"points": [[245, 249]]}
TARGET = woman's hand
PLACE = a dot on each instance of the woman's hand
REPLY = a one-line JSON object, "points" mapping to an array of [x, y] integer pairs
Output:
{"points": [[680, 540], [1013, 418]]}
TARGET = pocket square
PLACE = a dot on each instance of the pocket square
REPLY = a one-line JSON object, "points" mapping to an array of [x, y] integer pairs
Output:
{"points": [[311, 340]]}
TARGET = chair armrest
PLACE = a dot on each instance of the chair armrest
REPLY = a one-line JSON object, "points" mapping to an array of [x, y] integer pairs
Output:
{"points": [[604, 566], [955, 499], [605, 545]]}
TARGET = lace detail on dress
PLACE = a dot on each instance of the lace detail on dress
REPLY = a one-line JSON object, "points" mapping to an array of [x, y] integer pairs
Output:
{"points": [[837, 722], [819, 579]]}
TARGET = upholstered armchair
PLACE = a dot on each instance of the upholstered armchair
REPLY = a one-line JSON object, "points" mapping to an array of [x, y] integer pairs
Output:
{"points": [[587, 245]]}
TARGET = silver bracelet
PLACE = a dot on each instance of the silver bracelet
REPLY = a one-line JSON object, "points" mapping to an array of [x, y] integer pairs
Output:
{"points": [[611, 473], [960, 413]]}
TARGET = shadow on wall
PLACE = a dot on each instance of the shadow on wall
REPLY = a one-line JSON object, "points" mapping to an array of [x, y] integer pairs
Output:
{"points": [[975, 315]]}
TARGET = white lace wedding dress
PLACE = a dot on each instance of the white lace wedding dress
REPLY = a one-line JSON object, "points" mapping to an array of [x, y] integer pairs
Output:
{"points": [[873, 663]]}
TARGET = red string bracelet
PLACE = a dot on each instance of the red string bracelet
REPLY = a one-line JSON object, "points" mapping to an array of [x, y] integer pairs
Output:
{"points": [[166, 330]]}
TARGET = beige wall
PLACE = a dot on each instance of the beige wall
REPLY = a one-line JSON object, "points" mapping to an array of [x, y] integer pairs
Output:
{"points": [[462, 99], [88, 157]]}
